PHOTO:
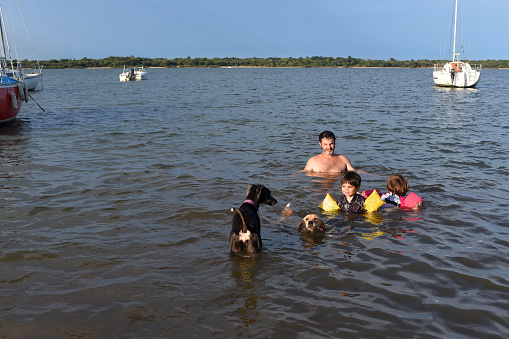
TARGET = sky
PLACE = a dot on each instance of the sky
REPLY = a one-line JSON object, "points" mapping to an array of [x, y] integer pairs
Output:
{"points": [[367, 29]]}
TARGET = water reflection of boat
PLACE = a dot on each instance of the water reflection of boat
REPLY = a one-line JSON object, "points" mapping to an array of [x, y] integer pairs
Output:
{"points": [[133, 73], [456, 73]]}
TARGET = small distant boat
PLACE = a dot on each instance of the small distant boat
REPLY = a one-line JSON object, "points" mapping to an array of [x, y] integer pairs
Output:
{"points": [[31, 77], [133, 73], [456, 73], [12, 90]]}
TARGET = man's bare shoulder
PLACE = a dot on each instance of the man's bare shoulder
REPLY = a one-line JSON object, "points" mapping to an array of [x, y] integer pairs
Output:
{"points": [[312, 162]]}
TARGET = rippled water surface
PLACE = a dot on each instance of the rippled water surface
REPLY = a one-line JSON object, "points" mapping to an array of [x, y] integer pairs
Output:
{"points": [[115, 206]]}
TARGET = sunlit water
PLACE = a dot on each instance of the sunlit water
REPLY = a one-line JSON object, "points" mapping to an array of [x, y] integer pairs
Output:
{"points": [[115, 206]]}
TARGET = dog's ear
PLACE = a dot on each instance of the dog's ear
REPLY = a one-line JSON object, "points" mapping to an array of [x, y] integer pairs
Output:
{"points": [[302, 224], [249, 188], [262, 193]]}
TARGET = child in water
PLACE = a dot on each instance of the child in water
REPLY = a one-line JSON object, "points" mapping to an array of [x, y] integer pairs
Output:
{"points": [[397, 188], [352, 200]]}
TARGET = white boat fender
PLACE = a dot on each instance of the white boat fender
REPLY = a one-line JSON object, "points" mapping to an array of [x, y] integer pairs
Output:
{"points": [[25, 92], [21, 91], [14, 100]]}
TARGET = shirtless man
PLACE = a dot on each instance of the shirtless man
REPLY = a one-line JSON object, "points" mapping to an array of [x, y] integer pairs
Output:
{"points": [[328, 161]]}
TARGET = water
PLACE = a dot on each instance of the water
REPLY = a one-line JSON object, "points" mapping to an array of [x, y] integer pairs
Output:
{"points": [[115, 206]]}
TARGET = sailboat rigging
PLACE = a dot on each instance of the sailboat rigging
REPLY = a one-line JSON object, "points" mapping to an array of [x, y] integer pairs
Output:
{"points": [[12, 88], [32, 77]]}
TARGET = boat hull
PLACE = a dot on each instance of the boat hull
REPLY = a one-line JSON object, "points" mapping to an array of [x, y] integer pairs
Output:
{"points": [[131, 74], [32, 80], [137, 76], [10, 102], [456, 74]]}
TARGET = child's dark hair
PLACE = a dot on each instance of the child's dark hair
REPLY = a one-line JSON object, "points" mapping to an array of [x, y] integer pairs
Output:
{"points": [[351, 178], [397, 185]]}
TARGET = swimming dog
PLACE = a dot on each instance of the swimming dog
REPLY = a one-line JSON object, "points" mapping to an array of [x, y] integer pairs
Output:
{"points": [[313, 223], [245, 232], [310, 222]]}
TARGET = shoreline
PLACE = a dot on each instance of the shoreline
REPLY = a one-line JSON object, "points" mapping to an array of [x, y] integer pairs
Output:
{"points": [[374, 67]]}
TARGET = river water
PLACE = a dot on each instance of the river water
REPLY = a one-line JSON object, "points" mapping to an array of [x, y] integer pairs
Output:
{"points": [[115, 206]]}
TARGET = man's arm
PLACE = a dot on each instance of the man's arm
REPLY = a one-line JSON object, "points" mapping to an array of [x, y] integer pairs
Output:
{"points": [[349, 167], [348, 164], [311, 165]]}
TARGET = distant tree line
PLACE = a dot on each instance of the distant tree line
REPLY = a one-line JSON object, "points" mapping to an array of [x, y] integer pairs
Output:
{"points": [[315, 61]]}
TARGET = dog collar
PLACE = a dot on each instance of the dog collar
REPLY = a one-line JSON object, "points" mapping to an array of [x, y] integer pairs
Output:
{"points": [[249, 201]]}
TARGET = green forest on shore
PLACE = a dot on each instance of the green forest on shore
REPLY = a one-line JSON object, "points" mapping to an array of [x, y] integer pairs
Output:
{"points": [[315, 61]]}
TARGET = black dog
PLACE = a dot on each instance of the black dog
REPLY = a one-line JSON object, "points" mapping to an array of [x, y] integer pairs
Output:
{"points": [[245, 232]]}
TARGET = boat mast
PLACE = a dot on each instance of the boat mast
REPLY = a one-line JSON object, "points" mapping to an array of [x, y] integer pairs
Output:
{"points": [[4, 56], [454, 55]]}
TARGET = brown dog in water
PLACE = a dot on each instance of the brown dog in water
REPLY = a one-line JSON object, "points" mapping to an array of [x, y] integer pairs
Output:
{"points": [[313, 223], [310, 222]]}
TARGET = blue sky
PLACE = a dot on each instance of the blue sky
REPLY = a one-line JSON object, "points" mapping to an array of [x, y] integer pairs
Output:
{"points": [[368, 29]]}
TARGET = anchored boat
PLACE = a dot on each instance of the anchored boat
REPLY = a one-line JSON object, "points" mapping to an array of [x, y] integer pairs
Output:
{"points": [[12, 89], [133, 73], [456, 73], [31, 77]]}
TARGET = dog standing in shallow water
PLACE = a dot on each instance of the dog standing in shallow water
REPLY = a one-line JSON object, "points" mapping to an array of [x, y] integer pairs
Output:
{"points": [[245, 232]]}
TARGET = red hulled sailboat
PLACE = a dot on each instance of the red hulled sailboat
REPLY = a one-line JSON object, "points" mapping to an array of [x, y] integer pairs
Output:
{"points": [[12, 89]]}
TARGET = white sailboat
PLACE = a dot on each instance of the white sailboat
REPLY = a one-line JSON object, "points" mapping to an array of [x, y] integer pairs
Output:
{"points": [[456, 73], [32, 76]]}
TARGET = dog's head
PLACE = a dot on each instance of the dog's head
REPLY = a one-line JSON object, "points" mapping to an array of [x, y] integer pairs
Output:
{"points": [[312, 222], [260, 195]]}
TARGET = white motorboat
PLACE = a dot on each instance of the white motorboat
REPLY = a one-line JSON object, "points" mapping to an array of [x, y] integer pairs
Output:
{"points": [[133, 73], [456, 73]]}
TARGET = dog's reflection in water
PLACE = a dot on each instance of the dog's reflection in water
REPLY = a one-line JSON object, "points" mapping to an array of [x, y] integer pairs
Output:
{"points": [[245, 273], [313, 239]]}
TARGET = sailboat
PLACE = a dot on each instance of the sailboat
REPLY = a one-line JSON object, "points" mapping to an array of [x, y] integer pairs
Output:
{"points": [[32, 76], [12, 89], [456, 73]]}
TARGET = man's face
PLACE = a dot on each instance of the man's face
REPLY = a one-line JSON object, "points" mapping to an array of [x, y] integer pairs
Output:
{"points": [[327, 145]]}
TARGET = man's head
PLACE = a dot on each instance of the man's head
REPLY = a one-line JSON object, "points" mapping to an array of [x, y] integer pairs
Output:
{"points": [[327, 141], [326, 135]]}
